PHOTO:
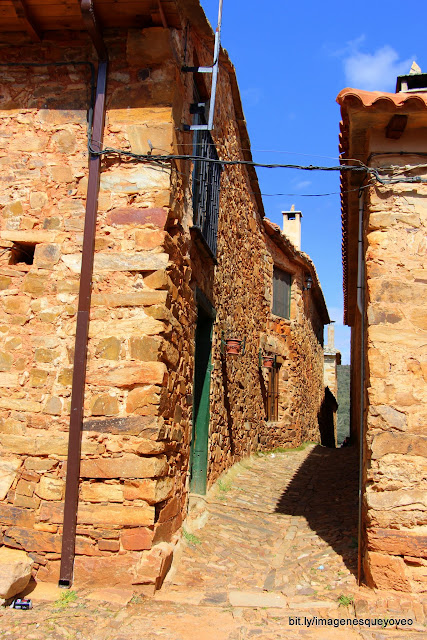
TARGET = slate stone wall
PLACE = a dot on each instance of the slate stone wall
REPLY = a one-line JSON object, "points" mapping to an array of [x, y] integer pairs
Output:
{"points": [[127, 479], [299, 342], [138, 398], [395, 496]]}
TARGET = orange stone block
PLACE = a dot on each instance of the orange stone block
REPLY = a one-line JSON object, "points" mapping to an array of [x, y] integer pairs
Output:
{"points": [[137, 539], [137, 217], [385, 572]]}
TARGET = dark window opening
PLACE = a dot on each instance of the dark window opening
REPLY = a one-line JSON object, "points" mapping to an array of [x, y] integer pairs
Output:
{"points": [[281, 293], [206, 184], [273, 395], [22, 253]]}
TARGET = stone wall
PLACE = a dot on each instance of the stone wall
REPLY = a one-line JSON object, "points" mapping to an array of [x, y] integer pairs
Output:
{"points": [[130, 437], [330, 370], [299, 342], [395, 497], [235, 286], [332, 358], [138, 398]]}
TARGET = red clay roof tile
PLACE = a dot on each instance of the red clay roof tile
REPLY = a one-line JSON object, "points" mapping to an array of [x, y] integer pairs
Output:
{"points": [[368, 99]]}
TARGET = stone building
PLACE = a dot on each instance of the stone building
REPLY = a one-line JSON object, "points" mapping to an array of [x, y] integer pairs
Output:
{"points": [[331, 360], [295, 386], [149, 265], [385, 281]]}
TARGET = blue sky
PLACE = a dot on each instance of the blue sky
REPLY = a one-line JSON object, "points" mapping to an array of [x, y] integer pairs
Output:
{"points": [[292, 59]]}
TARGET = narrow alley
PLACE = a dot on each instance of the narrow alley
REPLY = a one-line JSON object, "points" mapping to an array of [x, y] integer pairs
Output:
{"points": [[282, 523], [277, 549]]}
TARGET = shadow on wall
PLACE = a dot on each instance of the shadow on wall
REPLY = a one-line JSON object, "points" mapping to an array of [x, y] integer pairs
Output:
{"points": [[325, 491], [326, 419]]}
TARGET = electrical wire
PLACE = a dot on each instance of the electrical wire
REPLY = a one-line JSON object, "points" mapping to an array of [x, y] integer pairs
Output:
{"points": [[161, 160], [290, 153], [316, 195], [201, 182], [148, 157]]}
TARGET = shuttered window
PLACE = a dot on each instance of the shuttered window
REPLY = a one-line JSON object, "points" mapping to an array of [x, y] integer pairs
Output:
{"points": [[281, 293]]}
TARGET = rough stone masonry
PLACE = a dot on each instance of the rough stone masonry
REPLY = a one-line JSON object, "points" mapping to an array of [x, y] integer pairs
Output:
{"points": [[138, 397], [394, 505]]}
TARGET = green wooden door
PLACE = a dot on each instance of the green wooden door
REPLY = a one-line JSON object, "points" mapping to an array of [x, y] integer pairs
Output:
{"points": [[201, 410]]}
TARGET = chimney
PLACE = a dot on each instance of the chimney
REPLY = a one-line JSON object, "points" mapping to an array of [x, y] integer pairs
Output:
{"points": [[331, 336], [415, 81], [292, 226]]}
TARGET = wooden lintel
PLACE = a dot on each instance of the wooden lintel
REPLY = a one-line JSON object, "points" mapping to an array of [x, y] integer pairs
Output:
{"points": [[396, 126], [22, 13]]}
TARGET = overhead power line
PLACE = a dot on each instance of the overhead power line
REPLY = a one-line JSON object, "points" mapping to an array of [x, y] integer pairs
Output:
{"points": [[161, 160], [148, 157], [166, 158]]}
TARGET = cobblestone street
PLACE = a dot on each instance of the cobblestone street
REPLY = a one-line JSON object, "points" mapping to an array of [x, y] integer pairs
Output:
{"points": [[277, 547], [279, 526]]}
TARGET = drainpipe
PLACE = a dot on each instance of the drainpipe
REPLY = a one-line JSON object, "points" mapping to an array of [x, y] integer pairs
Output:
{"points": [[214, 71], [361, 307], [82, 328], [215, 67]]}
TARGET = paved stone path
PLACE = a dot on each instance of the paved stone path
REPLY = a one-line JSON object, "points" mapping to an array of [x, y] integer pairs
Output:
{"points": [[281, 526], [277, 548]]}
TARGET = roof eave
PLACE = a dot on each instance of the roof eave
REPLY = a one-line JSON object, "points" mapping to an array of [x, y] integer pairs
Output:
{"points": [[362, 111]]}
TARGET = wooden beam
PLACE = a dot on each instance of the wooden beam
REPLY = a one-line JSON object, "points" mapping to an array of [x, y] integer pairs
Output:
{"points": [[396, 126], [158, 15], [22, 13], [93, 28], [162, 14]]}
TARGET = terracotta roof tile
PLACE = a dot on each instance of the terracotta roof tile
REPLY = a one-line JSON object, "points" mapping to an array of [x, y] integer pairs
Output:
{"points": [[372, 99]]}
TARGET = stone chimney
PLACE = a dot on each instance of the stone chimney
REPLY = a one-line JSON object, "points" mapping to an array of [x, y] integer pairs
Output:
{"points": [[292, 226], [331, 336], [416, 81]]}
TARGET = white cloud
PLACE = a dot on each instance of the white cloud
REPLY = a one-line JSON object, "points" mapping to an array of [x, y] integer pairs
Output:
{"points": [[374, 71]]}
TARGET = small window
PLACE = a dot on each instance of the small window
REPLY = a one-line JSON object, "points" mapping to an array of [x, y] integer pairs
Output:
{"points": [[22, 253], [273, 395], [282, 293]]}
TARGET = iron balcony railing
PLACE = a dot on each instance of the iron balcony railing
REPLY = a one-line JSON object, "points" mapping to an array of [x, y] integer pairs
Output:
{"points": [[206, 186]]}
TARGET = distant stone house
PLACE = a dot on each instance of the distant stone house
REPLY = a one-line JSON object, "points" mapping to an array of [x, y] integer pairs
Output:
{"points": [[385, 280], [331, 360], [180, 266], [295, 386]]}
